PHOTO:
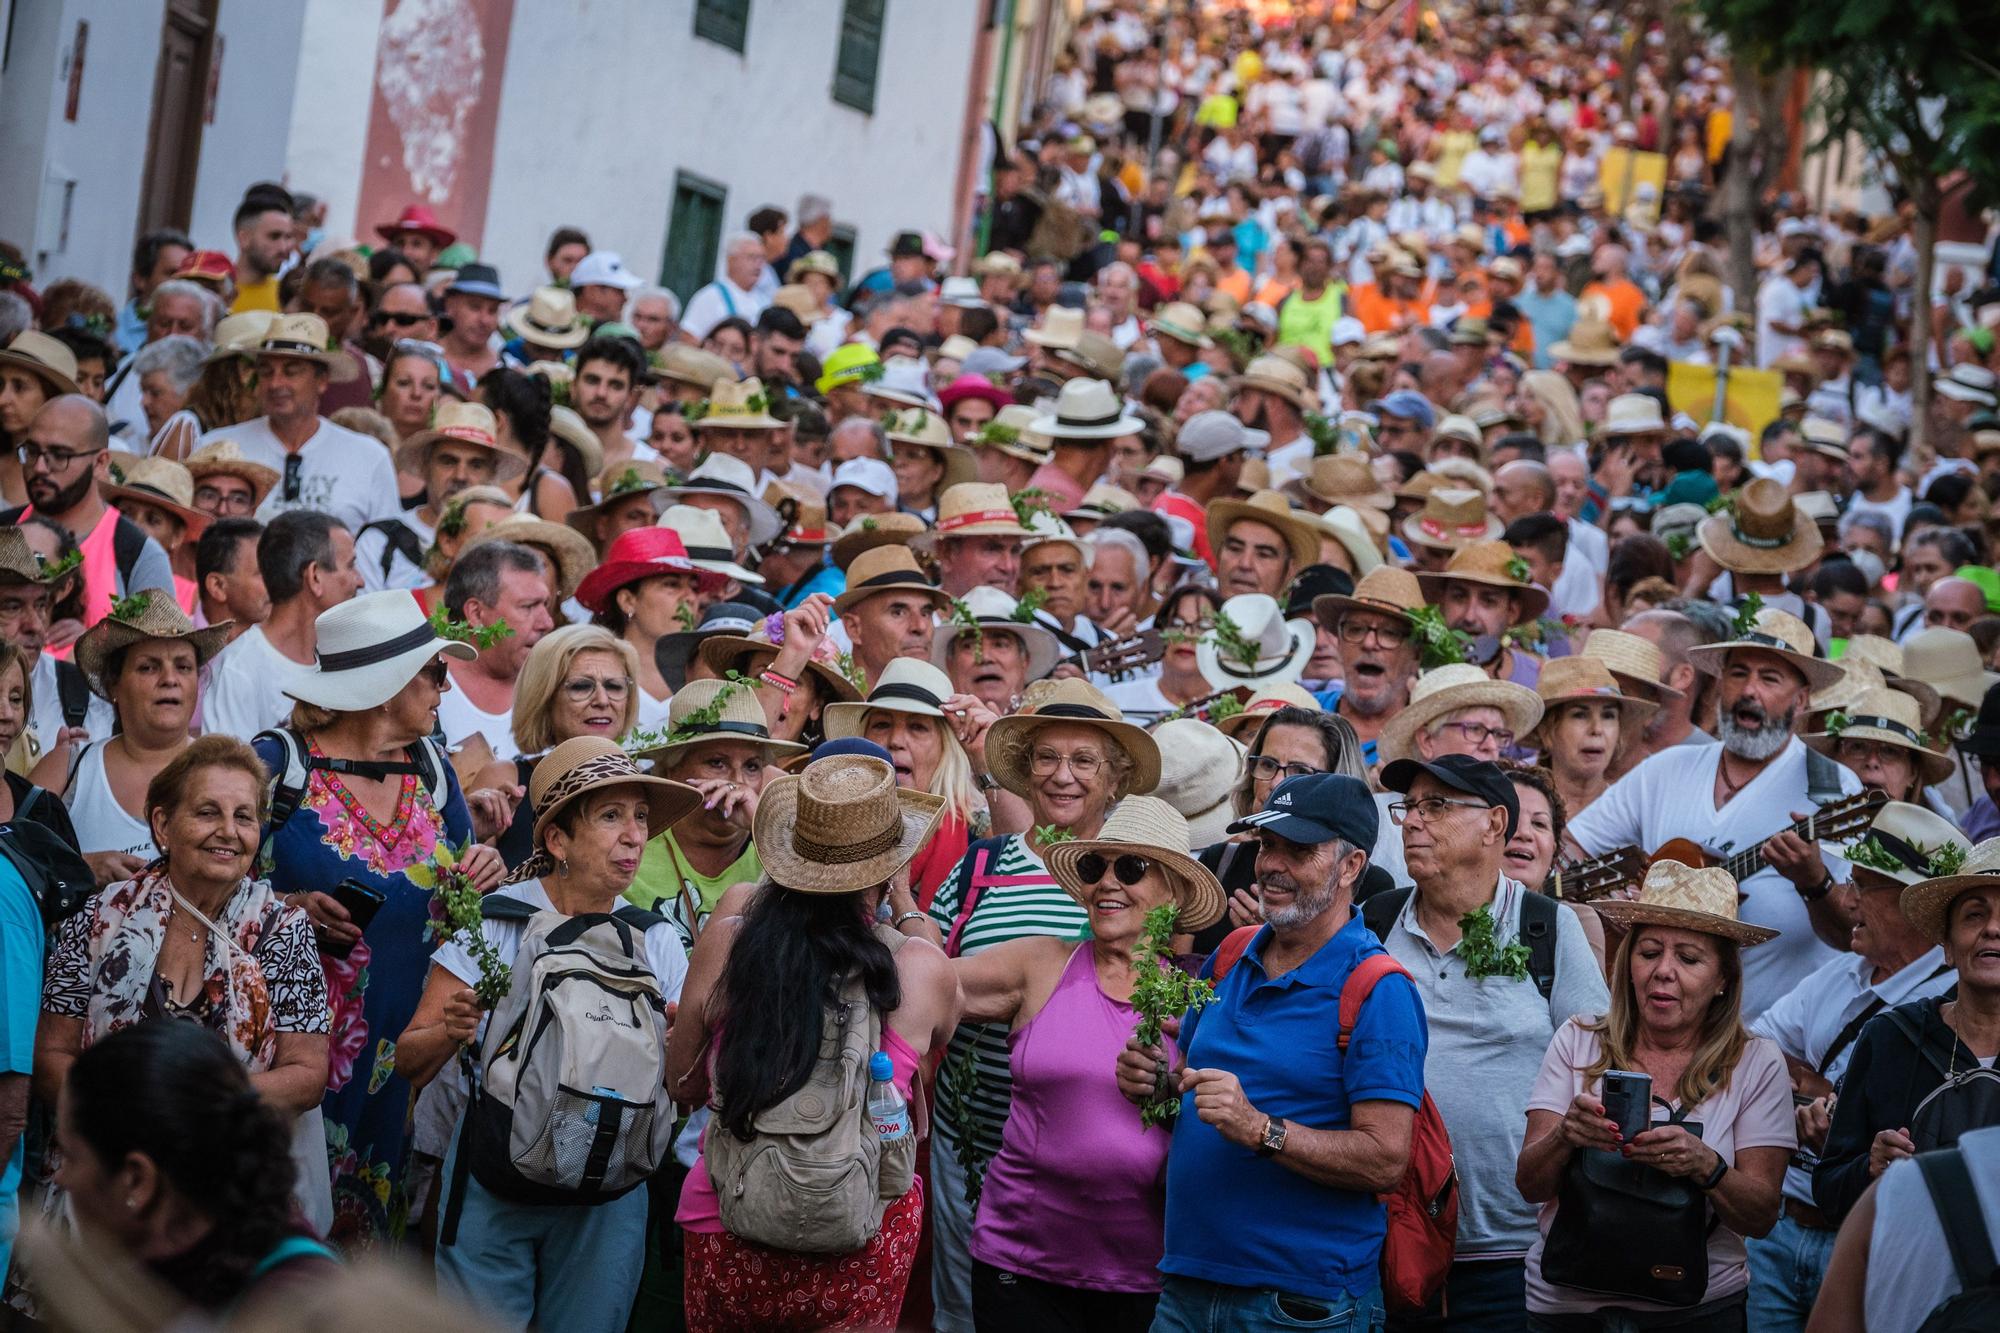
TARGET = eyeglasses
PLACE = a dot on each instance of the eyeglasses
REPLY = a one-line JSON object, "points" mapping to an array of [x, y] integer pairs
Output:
{"points": [[1130, 869], [582, 689], [402, 319], [293, 464], [1475, 733], [224, 502], [1389, 636], [1430, 808], [1264, 768], [1202, 626], [1083, 764], [436, 672], [58, 460]]}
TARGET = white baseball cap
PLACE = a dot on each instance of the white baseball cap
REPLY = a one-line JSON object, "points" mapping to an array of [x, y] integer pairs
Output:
{"points": [[868, 474], [603, 268]]}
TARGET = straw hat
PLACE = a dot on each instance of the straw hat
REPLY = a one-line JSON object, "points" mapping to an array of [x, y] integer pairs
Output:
{"points": [[1586, 680], [1825, 437], [1908, 843], [306, 338], [873, 530], [739, 405], [803, 510], [707, 541], [22, 563], [750, 655], [926, 429], [687, 364], [1103, 500], [165, 484], [1890, 717], [1148, 827], [632, 478], [1087, 409], [584, 764], [1762, 532], [1272, 648], [841, 825], [46, 358], [978, 509], [1346, 479], [632, 557], [1012, 432], [1278, 375], [715, 710], [1856, 679], [1274, 511], [732, 479], [1450, 518], [1386, 590], [548, 319], [458, 422], [152, 614], [1633, 660], [225, 458], [1686, 898], [1095, 355], [995, 612], [367, 650], [567, 426], [1632, 414], [1489, 564], [886, 568], [573, 556], [1591, 342], [1069, 703], [1948, 661], [1259, 706], [1061, 326], [1355, 533], [1182, 322], [908, 685], [1447, 689], [1777, 632], [905, 381], [1200, 767], [1886, 656], [1927, 903]]}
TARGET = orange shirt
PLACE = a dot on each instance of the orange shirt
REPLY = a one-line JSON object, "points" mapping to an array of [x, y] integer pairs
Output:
{"points": [[1235, 283], [1627, 303], [1381, 313]]}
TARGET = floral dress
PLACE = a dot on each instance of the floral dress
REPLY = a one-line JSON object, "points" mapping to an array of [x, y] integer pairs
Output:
{"points": [[374, 990]]}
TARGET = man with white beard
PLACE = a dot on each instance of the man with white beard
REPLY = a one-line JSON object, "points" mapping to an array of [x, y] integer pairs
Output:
{"points": [[1740, 793]]}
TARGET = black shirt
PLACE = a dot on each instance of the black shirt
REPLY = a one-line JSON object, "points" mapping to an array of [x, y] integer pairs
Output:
{"points": [[1886, 1077]]}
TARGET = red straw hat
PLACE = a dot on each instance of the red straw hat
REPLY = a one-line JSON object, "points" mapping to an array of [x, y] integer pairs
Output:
{"points": [[417, 217], [635, 555], [974, 386]]}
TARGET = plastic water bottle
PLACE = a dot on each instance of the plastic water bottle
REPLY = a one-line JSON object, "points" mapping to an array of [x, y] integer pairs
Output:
{"points": [[885, 1105]]}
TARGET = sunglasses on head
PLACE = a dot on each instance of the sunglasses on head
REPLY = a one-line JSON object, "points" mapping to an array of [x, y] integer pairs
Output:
{"points": [[1129, 868]]}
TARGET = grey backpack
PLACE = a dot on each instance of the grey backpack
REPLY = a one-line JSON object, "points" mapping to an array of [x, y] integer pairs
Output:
{"points": [[814, 1177]]}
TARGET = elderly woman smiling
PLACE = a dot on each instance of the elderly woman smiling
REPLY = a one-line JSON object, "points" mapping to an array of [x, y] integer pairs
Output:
{"points": [[1069, 754]]}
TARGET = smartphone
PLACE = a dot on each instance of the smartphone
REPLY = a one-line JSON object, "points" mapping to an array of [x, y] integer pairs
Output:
{"points": [[362, 902], [1628, 1101]]}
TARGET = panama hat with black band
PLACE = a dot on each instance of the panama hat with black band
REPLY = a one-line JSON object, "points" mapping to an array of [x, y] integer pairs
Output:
{"points": [[730, 478], [367, 650], [460, 423], [1927, 903], [305, 338], [165, 485], [887, 569], [1068, 702], [706, 541], [872, 530], [673, 652], [548, 319], [1087, 410], [992, 611], [716, 710], [1777, 632], [908, 685], [1883, 716], [1904, 845]]}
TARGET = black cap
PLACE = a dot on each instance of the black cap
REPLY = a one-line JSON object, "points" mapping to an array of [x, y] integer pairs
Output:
{"points": [[673, 652], [1316, 807], [1316, 581], [1984, 738], [907, 245], [1460, 772]]}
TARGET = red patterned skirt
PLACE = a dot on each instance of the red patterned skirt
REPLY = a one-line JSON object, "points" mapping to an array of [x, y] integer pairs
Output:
{"points": [[733, 1284]]}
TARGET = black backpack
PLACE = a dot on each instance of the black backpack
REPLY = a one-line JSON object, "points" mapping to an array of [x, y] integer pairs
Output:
{"points": [[1966, 1097], [297, 762], [1976, 1304], [57, 876], [1538, 929], [399, 538]]}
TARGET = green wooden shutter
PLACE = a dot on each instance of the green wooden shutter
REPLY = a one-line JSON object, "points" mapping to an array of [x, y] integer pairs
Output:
{"points": [[855, 70], [694, 235], [725, 22]]}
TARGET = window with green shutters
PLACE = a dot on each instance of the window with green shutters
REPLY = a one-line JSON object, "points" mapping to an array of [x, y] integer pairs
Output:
{"points": [[860, 55], [725, 22], [694, 235]]}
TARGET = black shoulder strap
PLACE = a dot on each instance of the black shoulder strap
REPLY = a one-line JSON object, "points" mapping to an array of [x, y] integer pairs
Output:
{"points": [[1911, 1021], [1847, 1034], [430, 761], [1959, 1216], [399, 538], [498, 906], [128, 543], [642, 920], [291, 778], [73, 692], [1822, 778], [1379, 913], [1538, 928]]}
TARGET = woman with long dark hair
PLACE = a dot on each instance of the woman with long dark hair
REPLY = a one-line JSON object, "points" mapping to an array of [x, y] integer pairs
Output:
{"points": [[751, 1023], [556, 480]]}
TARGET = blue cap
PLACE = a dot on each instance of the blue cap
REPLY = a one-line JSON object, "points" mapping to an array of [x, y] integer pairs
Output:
{"points": [[880, 1068], [1408, 404], [852, 745], [1318, 807]]}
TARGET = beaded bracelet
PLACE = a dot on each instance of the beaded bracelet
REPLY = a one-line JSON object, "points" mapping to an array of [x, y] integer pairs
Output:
{"points": [[778, 682]]}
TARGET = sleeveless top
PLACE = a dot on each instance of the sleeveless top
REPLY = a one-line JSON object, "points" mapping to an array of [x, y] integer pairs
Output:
{"points": [[103, 825], [1309, 324], [1078, 1193], [1909, 1265]]}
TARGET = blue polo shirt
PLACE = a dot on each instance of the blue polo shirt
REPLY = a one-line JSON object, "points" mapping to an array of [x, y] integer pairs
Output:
{"points": [[1245, 1221], [21, 939]]}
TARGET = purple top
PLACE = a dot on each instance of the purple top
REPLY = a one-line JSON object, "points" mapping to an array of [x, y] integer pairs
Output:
{"points": [[1077, 1194]]}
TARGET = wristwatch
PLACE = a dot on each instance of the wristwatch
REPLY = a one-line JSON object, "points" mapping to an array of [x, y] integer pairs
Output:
{"points": [[1818, 891], [986, 782], [1714, 1177], [1273, 1140]]}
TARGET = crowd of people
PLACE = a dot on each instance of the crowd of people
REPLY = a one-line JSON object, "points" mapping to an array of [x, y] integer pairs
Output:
{"points": [[1244, 709]]}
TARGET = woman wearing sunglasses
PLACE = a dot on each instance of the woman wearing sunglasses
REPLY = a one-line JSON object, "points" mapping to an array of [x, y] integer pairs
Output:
{"points": [[1071, 1217]]}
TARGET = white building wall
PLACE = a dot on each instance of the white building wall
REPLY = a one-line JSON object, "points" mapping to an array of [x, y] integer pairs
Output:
{"points": [[247, 141], [605, 100], [329, 121]]}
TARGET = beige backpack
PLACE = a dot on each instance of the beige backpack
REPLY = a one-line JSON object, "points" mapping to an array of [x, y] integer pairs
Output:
{"points": [[814, 1176]]}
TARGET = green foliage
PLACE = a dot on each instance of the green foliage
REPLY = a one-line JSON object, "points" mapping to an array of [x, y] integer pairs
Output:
{"points": [[1679, 545], [457, 918], [131, 608], [1240, 346], [844, 663], [685, 617], [1029, 503], [631, 479], [1746, 613], [55, 569], [964, 619], [1033, 600], [1945, 859], [1956, 725], [1517, 570], [1048, 835], [1482, 954], [1225, 706], [995, 433], [1230, 643], [481, 637], [958, 1081], [1161, 991], [1836, 722], [1438, 644], [1324, 432]]}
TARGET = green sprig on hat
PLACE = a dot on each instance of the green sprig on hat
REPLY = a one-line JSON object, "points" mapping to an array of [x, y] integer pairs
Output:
{"points": [[1225, 707], [1944, 859], [1438, 644], [55, 569], [1033, 600], [131, 608], [1835, 723], [1746, 614], [1230, 643], [481, 637], [631, 479], [1517, 570], [1030, 502]]}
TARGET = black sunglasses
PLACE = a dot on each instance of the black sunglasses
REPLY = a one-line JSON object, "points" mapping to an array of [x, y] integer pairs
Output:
{"points": [[438, 672], [1130, 869], [402, 319], [293, 462]]}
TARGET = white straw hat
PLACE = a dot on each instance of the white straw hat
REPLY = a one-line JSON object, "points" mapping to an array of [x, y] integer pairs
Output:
{"points": [[368, 649]]}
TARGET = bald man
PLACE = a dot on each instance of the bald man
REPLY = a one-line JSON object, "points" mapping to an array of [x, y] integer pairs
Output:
{"points": [[1522, 487], [1952, 603]]}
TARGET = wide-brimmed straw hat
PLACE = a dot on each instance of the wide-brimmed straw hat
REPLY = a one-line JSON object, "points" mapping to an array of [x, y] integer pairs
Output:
{"points": [[992, 611], [697, 366], [1278, 375], [1354, 530], [841, 825], [573, 556], [1346, 479], [46, 358], [1566, 680], [976, 509], [743, 405], [1634, 660], [165, 484], [1012, 432], [1632, 414], [460, 423], [1927, 903], [905, 381], [1886, 656], [1181, 321], [1061, 326], [1271, 508], [715, 710], [1259, 706], [1148, 827], [1446, 689], [22, 563], [1265, 647], [367, 650], [886, 568], [1067, 703], [872, 530], [1591, 342], [751, 655], [1087, 409], [1388, 590], [707, 541], [306, 338], [1889, 717], [1777, 632], [225, 458], [1948, 660], [926, 429], [567, 426], [619, 483], [1686, 898], [1762, 532], [548, 318], [581, 765], [730, 478], [672, 652], [1489, 564], [152, 614], [1907, 843], [908, 685], [1200, 766], [1451, 517]]}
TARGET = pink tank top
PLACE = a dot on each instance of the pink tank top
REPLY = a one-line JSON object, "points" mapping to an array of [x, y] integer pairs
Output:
{"points": [[1077, 1195]]}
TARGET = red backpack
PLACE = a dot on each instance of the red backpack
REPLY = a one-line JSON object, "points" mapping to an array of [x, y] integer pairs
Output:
{"points": [[1423, 1208]]}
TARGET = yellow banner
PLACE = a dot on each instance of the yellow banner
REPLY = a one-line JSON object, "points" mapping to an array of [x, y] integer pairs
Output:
{"points": [[1621, 171], [1750, 401]]}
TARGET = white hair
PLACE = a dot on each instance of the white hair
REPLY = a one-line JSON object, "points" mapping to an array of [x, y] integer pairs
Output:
{"points": [[179, 356], [814, 208], [659, 294], [211, 306], [1118, 539], [740, 239]]}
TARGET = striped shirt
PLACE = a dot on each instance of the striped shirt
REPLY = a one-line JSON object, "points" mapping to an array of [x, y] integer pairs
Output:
{"points": [[1003, 912]]}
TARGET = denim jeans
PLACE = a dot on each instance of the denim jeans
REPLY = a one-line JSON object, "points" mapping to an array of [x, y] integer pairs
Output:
{"points": [[1786, 1268], [1189, 1305]]}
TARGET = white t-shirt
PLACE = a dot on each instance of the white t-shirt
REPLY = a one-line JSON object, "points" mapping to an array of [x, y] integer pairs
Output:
{"points": [[459, 717], [246, 687], [99, 718], [718, 301], [342, 473], [1896, 508], [1140, 700], [1668, 795], [371, 546], [1778, 302]]}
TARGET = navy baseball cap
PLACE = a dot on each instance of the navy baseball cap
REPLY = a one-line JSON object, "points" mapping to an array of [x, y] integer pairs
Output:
{"points": [[852, 745], [1317, 807], [1408, 404], [1460, 772]]}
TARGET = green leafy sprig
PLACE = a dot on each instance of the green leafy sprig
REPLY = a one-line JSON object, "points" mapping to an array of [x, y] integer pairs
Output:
{"points": [[481, 637], [1438, 644], [958, 1083], [857, 675], [1231, 644], [131, 608], [994, 432], [1225, 707], [1956, 725], [1033, 600], [1048, 835], [1680, 545], [1481, 952], [631, 479], [458, 918], [1836, 722], [1746, 613], [1517, 570], [1324, 432], [1240, 346], [685, 617], [55, 569], [1030, 502], [963, 617], [1944, 859], [1161, 991]]}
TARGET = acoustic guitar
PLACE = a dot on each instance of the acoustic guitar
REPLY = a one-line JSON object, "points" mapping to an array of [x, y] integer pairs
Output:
{"points": [[1116, 657]]}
